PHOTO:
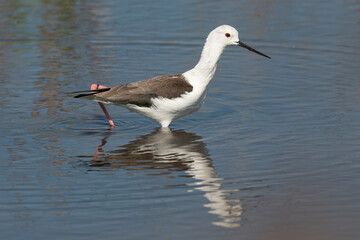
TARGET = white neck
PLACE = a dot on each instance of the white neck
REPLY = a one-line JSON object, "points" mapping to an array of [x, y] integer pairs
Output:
{"points": [[208, 61]]}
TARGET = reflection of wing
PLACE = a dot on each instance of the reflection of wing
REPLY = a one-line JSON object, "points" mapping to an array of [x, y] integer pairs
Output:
{"points": [[178, 150]]}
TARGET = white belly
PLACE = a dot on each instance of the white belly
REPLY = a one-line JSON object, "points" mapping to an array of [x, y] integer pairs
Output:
{"points": [[166, 110]]}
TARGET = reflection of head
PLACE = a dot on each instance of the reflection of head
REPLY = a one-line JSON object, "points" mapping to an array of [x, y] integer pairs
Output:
{"points": [[176, 151]]}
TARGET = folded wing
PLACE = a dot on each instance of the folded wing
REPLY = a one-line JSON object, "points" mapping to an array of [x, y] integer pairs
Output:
{"points": [[140, 93]]}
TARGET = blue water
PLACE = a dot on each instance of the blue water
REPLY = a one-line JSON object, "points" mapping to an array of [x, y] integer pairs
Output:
{"points": [[273, 153]]}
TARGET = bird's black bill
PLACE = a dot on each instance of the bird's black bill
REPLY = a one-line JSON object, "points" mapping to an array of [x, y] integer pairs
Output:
{"points": [[241, 44]]}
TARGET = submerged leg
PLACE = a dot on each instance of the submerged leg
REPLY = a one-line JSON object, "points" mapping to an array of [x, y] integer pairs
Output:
{"points": [[95, 87]]}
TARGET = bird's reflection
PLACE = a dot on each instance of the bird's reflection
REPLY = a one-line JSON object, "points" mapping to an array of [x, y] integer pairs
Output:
{"points": [[176, 151]]}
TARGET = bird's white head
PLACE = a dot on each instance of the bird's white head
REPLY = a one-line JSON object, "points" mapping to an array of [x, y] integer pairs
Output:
{"points": [[217, 40], [225, 35]]}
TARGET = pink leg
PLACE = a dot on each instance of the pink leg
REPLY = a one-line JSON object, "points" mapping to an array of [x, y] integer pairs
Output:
{"points": [[97, 86]]}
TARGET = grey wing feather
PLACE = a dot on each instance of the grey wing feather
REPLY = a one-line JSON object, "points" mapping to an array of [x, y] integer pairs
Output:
{"points": [[140, 93]]}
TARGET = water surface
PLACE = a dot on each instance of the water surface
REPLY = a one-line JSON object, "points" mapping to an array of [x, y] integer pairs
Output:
{"points": [[273, 153]]}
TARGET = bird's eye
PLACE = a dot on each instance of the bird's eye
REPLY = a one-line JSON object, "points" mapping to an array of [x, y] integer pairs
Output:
{"points": [[227, 34]]}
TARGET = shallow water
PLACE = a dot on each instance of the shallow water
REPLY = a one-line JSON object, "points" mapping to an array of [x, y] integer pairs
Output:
{"points": [[273, 153]]}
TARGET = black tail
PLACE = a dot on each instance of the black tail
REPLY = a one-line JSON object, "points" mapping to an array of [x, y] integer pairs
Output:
{"points": [[89, 93]]}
